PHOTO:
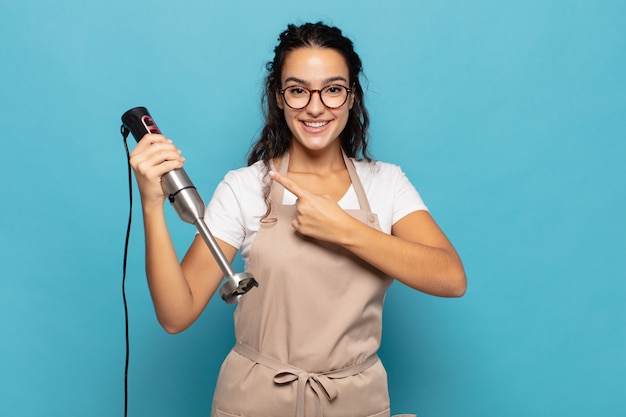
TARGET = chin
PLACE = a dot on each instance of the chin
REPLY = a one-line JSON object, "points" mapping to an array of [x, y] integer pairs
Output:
{"points": [[315, 143]]}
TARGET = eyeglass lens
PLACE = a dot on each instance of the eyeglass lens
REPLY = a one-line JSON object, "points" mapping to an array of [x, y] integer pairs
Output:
{"points": [[333, 96]]}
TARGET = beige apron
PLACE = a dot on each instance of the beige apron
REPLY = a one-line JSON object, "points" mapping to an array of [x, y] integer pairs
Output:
{"points": [[307, 336]]}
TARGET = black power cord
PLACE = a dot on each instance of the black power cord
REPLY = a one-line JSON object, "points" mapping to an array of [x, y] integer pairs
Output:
{"points": [[125, 133]]}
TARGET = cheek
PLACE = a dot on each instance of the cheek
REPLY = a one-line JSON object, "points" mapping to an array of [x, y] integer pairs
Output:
{"points": [[288, 113]]}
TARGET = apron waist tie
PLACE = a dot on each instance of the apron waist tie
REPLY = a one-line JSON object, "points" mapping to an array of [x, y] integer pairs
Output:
{"points": [[320, 383]]}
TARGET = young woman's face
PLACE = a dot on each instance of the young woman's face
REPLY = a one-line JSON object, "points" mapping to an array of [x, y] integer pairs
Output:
{"points": [[315, 127]]}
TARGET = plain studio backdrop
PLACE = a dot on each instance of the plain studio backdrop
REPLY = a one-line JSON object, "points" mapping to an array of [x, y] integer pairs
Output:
{"points": [[508, 116]]}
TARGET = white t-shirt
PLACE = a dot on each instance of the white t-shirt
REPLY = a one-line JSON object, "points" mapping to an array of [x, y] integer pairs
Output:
{"points": [[237, 206]]}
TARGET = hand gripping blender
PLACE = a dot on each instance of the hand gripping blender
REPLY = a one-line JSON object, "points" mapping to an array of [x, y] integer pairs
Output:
{"points": [[190, 208]]}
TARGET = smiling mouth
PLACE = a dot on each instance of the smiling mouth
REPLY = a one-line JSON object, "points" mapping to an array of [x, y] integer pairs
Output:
{"points": [[315, 125]]}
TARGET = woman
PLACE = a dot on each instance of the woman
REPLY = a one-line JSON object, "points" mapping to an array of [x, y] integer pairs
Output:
{"points": [[322, 232]]}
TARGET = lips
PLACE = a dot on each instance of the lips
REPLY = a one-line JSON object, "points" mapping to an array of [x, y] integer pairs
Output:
{"points": [[316, 125]]}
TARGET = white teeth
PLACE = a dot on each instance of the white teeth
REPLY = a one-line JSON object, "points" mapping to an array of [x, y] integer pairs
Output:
{"points": [[315, 124]]}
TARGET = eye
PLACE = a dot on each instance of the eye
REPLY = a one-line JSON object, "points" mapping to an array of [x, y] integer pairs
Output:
{"points": [[297, 91], [334, 90]]}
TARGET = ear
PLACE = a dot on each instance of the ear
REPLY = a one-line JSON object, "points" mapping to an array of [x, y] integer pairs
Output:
{"points": [[351, 99], [279, 100]]}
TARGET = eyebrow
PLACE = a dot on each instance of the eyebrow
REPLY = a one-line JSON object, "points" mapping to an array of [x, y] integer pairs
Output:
{"points": [[326, 81]]}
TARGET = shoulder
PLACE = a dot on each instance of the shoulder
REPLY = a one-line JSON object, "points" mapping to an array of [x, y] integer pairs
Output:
{"points": [[254, 172], [246, 179], [242, 188], [383, 180], [378, 172], [391, 193], [237, 205]]}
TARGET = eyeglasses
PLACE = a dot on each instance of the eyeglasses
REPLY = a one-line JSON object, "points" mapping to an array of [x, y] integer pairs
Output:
{"points": [[333, 96]]}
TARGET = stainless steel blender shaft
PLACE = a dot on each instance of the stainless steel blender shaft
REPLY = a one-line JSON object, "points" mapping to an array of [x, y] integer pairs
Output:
{"points": [[190, 208]]}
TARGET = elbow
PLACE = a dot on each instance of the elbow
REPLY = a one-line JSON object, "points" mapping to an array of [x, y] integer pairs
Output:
{"points": [[454, 289], [450, 282], [458, 290], [457, 284], [172, 327]]}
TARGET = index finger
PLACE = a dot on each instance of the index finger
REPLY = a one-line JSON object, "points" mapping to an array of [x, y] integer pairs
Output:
{"points": [[150, 139], [289, 184]]}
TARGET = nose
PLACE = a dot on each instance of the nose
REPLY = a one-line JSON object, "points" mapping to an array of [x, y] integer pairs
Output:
{"points": [[315, 106]]}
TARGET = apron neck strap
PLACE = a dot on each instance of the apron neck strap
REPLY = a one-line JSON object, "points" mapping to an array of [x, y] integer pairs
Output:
{"points": [[283, 167], [356, 183]]}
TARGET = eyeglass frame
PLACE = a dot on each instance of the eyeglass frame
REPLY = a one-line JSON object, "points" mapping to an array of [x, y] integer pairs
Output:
{"points": [[319, 93]]}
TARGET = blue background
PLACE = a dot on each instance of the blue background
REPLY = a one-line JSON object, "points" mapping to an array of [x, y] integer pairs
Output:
{"points": [[508, 116]]}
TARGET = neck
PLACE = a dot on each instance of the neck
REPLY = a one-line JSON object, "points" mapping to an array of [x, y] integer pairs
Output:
{"points": [[302, 159]]}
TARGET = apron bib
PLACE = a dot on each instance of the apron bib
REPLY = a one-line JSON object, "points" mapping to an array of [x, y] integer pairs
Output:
{"points": [[307, 337]]}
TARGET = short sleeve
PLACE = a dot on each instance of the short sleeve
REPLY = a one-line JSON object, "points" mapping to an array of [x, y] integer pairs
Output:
{"points": [[223, 216], [390, 193], [406, 198]]}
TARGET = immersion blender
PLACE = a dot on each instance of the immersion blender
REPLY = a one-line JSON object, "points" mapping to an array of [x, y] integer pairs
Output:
{"points": [[189, 206]]}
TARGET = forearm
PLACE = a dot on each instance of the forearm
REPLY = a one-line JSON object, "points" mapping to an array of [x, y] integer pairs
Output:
{"points": [[170, 291], [432, 269]]}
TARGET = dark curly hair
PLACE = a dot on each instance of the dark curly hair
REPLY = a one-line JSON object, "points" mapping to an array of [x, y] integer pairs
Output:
{"points": [[275, 137]]}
